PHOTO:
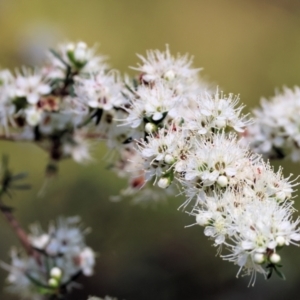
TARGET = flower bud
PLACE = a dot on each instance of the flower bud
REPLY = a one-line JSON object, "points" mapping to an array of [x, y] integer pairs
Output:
{"points": [[164, 182], [222, 181], [169, 75], [280, 196], [280, 240], [150, 127], [56, 273], [80, 52], [33, 116], [53, 282], [275, 258], [202, 219], [169, 159], [259, 258], [220, 123]]}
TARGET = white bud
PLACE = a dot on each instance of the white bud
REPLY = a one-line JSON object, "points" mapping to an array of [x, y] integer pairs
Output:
{"points": [[164, 182], [280, 240], [259, 258], [220, 123], [275, 258], [82, 45], [222, 181], [169, 75], [169, 159], [150, 127], [202, 219], [70, 47], [80, 52], [53, 282], [288, 195], [56, 273], [33, 116]]}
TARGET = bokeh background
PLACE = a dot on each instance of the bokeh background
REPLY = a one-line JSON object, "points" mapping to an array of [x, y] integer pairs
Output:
{"points": [[248, 47]]}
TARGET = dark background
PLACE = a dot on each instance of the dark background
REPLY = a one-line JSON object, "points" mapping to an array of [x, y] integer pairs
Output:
{"points": [[246, 47]]}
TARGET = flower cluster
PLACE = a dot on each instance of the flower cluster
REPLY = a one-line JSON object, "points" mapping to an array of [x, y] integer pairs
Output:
{"points": [[276, 129], [61, 255], [169, 129], [59, 104], [190, 139]]}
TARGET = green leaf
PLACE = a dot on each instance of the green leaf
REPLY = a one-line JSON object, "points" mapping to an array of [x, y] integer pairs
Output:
{"points": [[129, 88], [279, 273], [54, 53], [38, 283], [7, 178], [20, 103], [270, 272], [135, 83]]}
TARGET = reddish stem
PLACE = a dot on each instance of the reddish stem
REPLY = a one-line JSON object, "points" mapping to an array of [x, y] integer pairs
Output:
{"points": [[20, 232]]}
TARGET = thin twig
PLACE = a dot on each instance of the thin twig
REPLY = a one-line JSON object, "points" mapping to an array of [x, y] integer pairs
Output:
{"points": [[20, 232]]}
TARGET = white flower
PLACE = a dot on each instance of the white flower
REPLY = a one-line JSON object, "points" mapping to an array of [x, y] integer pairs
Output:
{"points": [[78, 56], [276, 130], [220, 156], [176, 71], [100, 90], [87, 261], [7, 93], [151, 103], [61, 255], [215, 112], [160, 150], [261, 233], [33, 115], [78, 147], [19, 283], [31, 85]]}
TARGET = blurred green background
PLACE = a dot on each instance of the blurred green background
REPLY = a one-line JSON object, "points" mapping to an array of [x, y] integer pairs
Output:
{"points": [[246, 47]]}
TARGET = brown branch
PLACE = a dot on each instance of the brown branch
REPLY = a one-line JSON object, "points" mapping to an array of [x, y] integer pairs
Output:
{"points": [[20, 232]]}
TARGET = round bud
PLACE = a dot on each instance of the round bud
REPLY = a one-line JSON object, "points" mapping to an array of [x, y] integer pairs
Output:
{"points": [[150, 127], [222, 181], [82, 45], [280, 240], [202, 220], [80, 52], [56, 273], [70, 47], [53, 282], [259, 258], [169, 75], [288, 195], [220, 123], [169, 159], [275, 258], [164, 182], [33, 116]]}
